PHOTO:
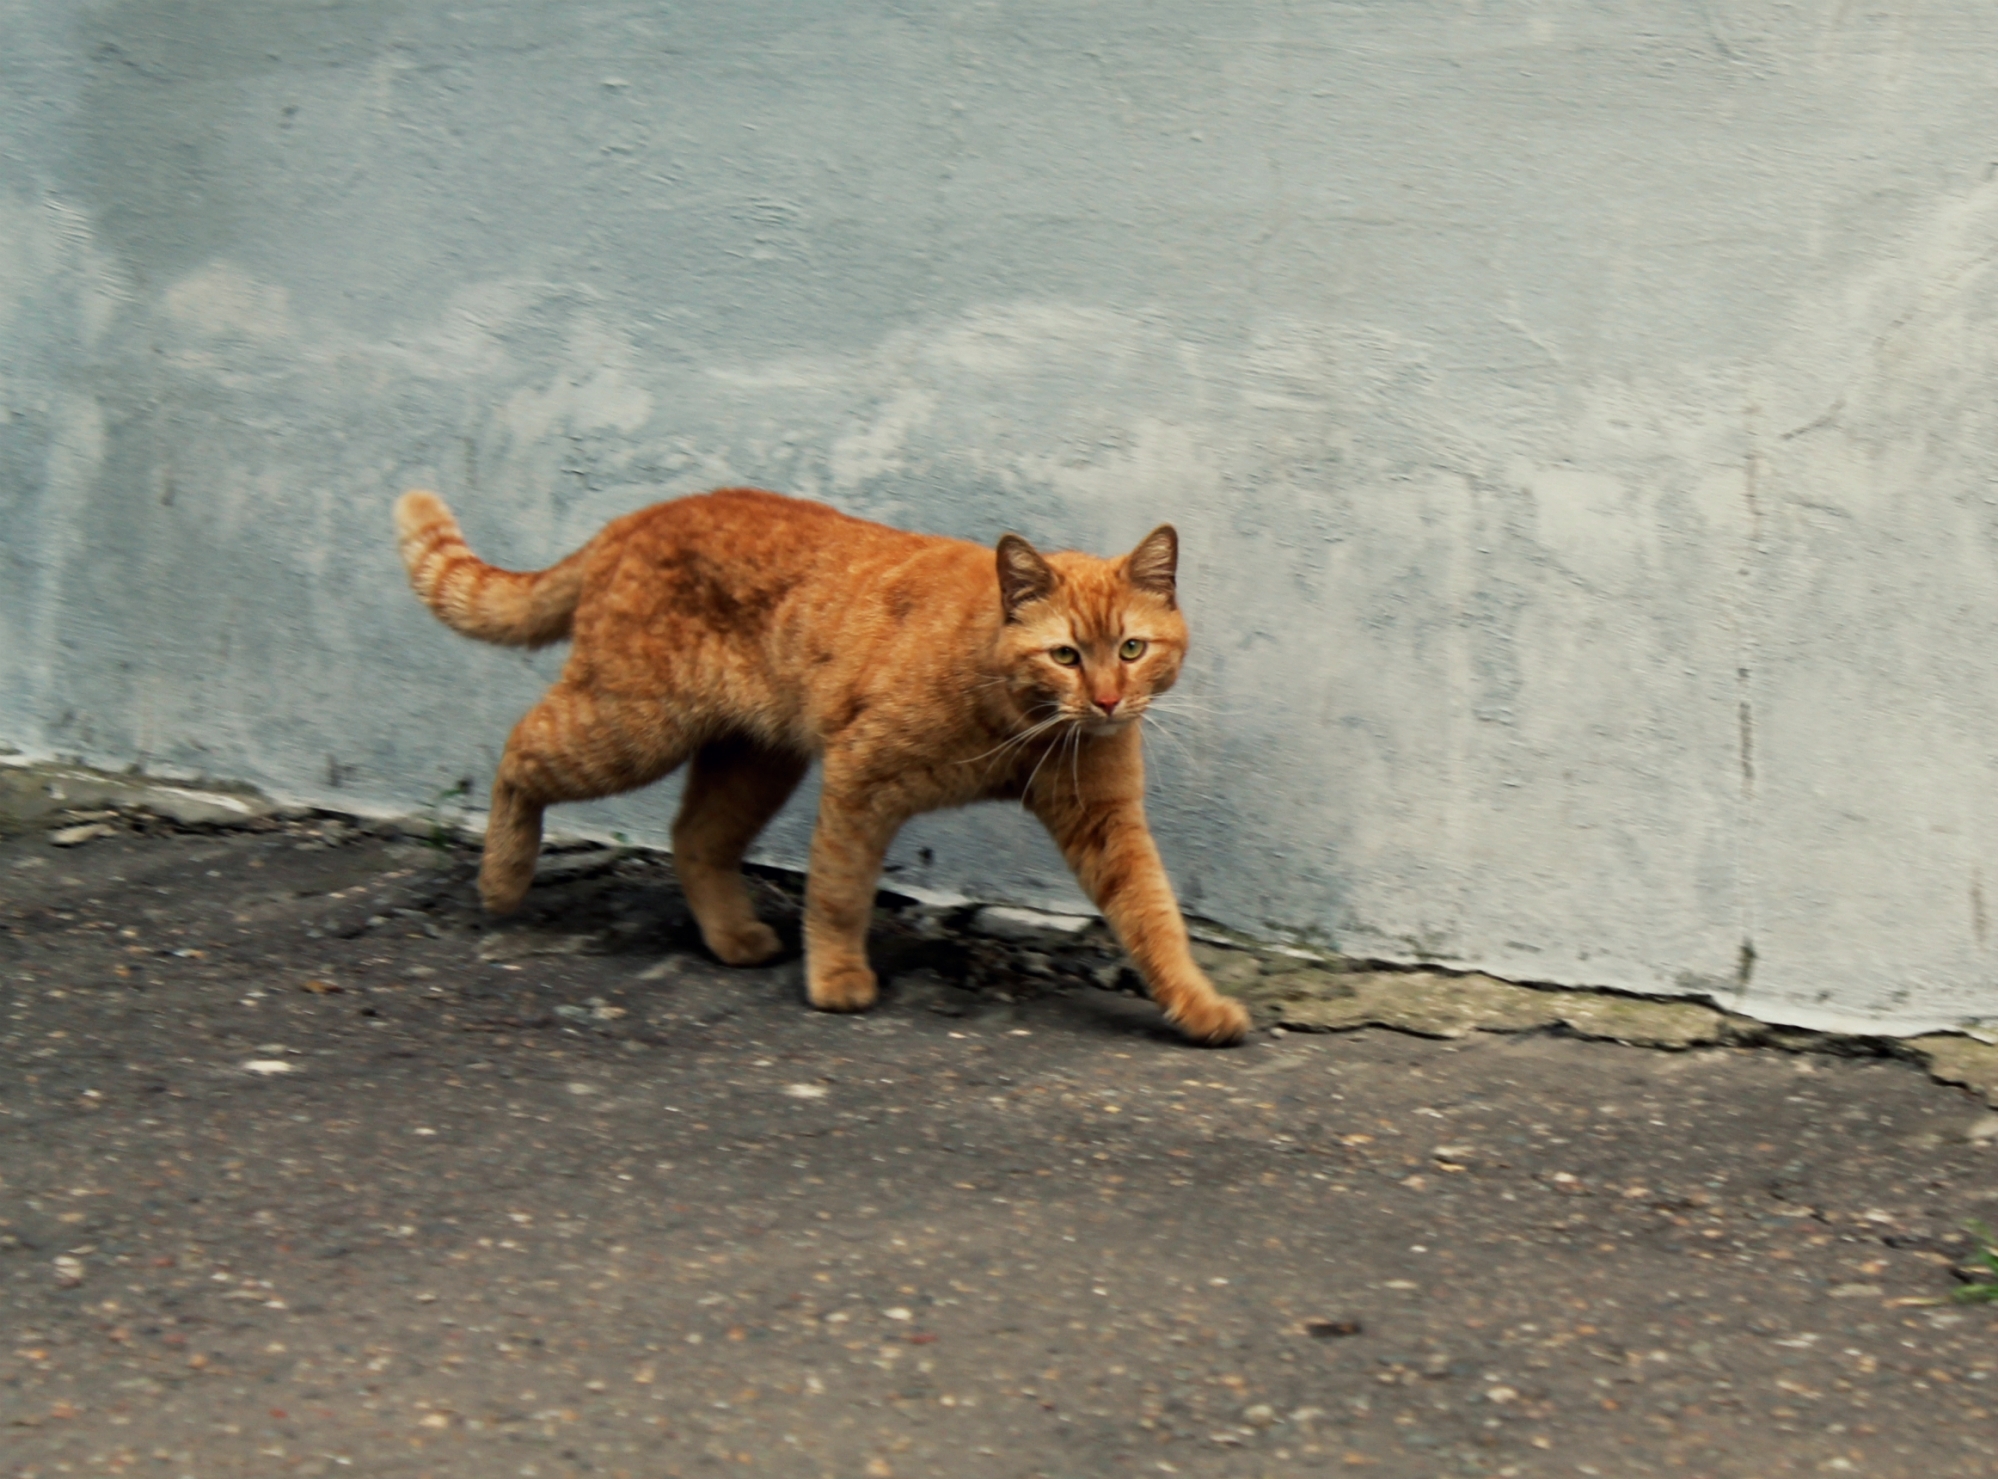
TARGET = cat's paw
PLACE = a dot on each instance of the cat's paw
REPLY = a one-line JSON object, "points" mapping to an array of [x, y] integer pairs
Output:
{"points": [[846, 988], [749, 944], [503, 890], [1212, 1020]]}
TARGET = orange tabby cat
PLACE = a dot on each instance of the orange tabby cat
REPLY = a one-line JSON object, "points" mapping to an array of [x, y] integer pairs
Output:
{"points": [[747, 633]]}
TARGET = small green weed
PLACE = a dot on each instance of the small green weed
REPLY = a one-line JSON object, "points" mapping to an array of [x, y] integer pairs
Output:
{"points": [[1983, 1288], [443, 824]]}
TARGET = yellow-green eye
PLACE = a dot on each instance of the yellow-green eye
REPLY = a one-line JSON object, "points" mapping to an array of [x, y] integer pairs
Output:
{"points": [[1132, 650], [1068, 657]]}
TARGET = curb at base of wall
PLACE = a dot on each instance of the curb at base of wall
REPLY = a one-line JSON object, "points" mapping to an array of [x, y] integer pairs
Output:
{"points": [[1335, 996]]}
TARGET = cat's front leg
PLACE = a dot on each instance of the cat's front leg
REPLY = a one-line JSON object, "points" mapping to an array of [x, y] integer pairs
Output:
{"points": [[1118, 866], [1101, 831], [848, 846]]}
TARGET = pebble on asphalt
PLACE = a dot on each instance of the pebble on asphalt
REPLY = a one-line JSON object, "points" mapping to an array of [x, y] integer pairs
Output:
{"points": [[1333, 1329]]}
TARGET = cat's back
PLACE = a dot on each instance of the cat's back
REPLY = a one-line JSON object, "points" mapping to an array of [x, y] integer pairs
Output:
{"points": [[729, 524], [738, 560], [751, 532]]}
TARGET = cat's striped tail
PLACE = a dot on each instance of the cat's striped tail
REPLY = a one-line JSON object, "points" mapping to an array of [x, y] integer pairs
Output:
{"points": [[516, 609]]}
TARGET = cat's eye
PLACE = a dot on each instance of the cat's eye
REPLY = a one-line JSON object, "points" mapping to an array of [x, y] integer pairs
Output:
{"points": [[1068, 657], [1132, 650]]}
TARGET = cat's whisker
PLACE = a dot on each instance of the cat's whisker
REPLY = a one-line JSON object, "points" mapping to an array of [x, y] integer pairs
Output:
{"points": [[1018, 748], [1175, 704], [1019, 742], [1165, 733], [999, 753], [1021, 739], [1180, 747], [1017, 739], [1027, 789]]}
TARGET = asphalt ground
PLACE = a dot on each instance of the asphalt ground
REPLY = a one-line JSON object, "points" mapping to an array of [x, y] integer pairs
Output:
{"points": [[306, 1168]]}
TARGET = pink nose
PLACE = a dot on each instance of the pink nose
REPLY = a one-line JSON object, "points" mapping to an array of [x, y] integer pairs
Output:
{"points": [[1107, 702]]}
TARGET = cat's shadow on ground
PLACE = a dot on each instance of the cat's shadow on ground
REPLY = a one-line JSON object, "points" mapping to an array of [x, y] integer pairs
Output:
{"points": [[611, 902]]}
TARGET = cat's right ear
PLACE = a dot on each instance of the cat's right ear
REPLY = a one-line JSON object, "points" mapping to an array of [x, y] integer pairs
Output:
{"points": [[1023, 575]]}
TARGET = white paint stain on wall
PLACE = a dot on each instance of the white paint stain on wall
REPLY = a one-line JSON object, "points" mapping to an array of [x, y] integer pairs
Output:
{"points": [[223, 301], [587, 395], [877, 448]]}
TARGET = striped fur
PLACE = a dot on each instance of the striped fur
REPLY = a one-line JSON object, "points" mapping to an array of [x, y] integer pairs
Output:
{"points": [[473, 598], [744, 635]]}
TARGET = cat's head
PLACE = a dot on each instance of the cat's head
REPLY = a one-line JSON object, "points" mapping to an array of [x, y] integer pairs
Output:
{"points": [[1087, 640]]}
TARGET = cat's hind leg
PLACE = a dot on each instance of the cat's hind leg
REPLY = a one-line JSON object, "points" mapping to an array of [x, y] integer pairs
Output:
{"points": [[734, 787], [574, 745]]}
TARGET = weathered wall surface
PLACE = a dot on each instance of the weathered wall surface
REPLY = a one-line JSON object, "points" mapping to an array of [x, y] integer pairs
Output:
{"points": [[1579, 416]]}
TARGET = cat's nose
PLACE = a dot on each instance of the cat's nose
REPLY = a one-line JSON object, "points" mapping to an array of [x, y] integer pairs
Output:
{"points": [[1107, 702]]}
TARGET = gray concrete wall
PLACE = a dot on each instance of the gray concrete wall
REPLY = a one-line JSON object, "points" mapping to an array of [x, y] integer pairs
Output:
{"points": [[1579, 417]]}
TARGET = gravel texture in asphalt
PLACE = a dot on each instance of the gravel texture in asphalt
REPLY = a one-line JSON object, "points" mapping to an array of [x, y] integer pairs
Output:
{"points": [[306, 1168]]}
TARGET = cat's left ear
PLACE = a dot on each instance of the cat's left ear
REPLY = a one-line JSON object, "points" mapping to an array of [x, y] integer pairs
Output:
{"points": [[1153, 566]]}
